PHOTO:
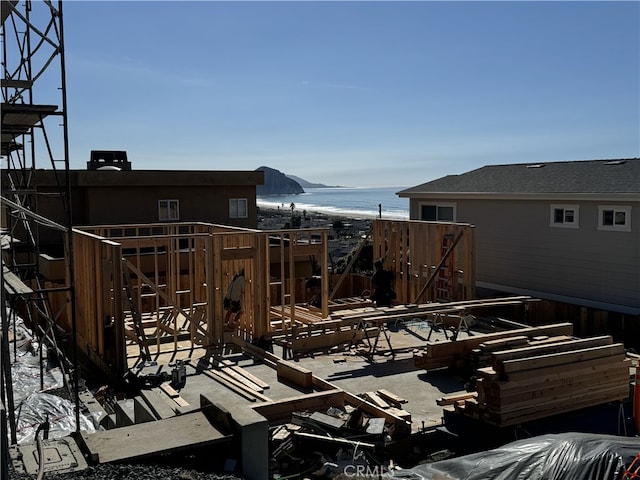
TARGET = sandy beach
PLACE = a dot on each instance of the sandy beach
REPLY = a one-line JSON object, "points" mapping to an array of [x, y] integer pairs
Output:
{"points": [[341, 241]]}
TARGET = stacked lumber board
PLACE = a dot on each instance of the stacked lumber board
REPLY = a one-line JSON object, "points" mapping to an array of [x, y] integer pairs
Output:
{"points": [[450, 353], [539, 380]]}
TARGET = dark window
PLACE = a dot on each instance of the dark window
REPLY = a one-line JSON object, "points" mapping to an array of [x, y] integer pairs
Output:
{"points": [[429, 213]]}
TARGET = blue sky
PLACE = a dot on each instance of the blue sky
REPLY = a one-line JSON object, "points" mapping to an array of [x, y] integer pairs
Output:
{"points": [[352, 93]]}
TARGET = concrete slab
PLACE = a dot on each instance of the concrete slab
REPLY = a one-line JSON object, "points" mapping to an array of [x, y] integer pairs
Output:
{"points": [[148, 439], [141, 411], [346, 370], [158, 403], [361, 373], [124, 412]]}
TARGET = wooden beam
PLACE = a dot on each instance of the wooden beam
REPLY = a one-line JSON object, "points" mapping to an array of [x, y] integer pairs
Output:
{"points": [[294, 373], [536, 350], [279, 409], [239, 253], [374, 398], [391, 397], [562, 358], [453, 398]]}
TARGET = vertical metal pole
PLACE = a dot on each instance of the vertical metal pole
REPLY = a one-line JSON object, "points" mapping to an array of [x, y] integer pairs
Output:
{"points": [[636, 400], [69, 236], [6, 380]]}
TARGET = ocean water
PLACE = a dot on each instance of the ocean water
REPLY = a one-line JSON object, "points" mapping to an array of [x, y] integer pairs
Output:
{"points": [[351, 202]]}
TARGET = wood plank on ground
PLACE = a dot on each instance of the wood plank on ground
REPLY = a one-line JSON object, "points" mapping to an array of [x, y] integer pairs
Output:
{"points": [[249, 376], [374, 398], [241, 378], [391, 397], [173, 394], [239, 388]]}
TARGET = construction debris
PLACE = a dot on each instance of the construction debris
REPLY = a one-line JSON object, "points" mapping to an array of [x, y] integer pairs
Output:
{"points": [[324, 443]]}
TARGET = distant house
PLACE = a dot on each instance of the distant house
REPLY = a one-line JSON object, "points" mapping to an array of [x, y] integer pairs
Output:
{"points": [[561, 231], [108, 196]]}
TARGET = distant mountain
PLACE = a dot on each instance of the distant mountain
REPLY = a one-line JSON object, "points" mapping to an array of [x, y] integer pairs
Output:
{"points": [[305, 184], [277, 183]]}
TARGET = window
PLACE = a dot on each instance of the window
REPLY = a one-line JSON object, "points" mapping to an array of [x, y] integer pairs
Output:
{"points": [[168, 210], [614, 217], [238, 208], [565, 216], [445, 212]]}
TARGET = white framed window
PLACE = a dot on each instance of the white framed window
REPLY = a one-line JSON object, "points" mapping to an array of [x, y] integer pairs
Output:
{"points": [[614, 218], [238, 208], [440, 212], [565, 216], [168, 210]]}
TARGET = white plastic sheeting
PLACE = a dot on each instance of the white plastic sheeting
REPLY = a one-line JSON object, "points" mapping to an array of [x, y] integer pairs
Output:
{"points": [[32, 405], [566, 456], [40, 407], [25, 365]]}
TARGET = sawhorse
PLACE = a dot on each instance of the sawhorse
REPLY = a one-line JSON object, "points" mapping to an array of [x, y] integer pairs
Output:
{"points": [[382, 328], [453, 320]]}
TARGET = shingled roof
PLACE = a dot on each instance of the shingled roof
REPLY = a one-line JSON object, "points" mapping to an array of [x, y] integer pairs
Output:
{"points": [[574, 177]]}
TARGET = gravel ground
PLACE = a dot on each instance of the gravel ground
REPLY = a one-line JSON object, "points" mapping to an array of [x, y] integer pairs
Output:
{"points": [[130, 472]]}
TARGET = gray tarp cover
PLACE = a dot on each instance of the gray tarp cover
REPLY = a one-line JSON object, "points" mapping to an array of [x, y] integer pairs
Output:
{"points": [[567, 456]]}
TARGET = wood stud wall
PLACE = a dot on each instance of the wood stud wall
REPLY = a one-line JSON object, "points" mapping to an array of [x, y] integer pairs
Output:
{"points": [[413, 250], [180, 273]]}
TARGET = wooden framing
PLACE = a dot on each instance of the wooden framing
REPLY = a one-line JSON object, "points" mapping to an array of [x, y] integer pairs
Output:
{"points": [[153, 284], [419, 253], [157, 284]]}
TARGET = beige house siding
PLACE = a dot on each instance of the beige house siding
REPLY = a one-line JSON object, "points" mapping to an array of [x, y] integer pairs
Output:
{"points": [[517, 249]]}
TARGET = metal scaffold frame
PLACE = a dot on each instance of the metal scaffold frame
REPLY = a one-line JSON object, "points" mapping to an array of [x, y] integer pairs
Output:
{"points": [[34, 137]]}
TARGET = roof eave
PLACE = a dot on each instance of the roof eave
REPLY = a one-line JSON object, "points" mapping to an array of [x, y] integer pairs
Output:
{"points": [[619, 196]]}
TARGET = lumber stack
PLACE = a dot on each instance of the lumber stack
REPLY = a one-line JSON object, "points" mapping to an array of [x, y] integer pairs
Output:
{"points": [[543, 379], [451, 352]]}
